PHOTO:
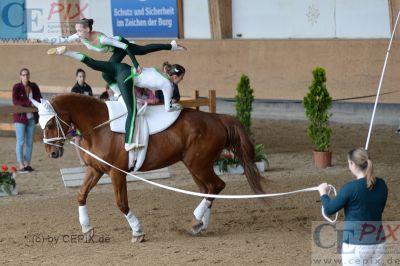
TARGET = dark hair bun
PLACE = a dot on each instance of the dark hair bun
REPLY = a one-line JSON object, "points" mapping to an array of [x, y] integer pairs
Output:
{"points": [[86, 22]]}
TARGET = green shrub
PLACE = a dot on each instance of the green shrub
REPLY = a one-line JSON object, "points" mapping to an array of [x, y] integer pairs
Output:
{"points": [[316, 104], [244, 102]]}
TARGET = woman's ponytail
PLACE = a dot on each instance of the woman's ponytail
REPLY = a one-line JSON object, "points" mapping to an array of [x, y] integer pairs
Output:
{"points": [[371, 179], [361, 159]]}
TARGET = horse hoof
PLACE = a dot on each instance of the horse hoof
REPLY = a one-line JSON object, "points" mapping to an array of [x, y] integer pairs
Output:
{"points": [[197, 226], [88, 230], [137, 237], [88, 233]]}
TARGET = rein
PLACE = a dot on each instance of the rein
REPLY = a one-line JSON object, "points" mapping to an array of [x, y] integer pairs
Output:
{"points": [[139, 112], [89, 131], [50, 141]]}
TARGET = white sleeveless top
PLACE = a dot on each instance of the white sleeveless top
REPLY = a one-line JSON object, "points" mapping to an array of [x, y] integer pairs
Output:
{"points": [[152, 79], [106, 44]]}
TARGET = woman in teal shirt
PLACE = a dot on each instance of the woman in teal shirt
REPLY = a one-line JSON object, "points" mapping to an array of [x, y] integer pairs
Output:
{"points": [[363, 201]]}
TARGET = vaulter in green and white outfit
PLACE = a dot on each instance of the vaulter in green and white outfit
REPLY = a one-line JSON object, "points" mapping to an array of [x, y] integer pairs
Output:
{"points": [[119, 46], [126, 79]]}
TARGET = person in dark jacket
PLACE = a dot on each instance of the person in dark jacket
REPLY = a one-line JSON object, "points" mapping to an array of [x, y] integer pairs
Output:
{"points": [[363, 201], [25, 122], [81, 86]]}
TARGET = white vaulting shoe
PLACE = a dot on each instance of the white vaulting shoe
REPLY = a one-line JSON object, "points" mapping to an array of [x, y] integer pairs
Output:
{"points": [[57, 50], [131, 146], [177, 47]]}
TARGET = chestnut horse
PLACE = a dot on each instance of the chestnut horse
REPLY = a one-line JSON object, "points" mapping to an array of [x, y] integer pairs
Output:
{"points": [[196, 138]]}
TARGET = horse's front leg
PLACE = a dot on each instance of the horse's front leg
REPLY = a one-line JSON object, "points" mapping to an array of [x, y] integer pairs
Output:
{"points": [[121, 197], [91, 178]]}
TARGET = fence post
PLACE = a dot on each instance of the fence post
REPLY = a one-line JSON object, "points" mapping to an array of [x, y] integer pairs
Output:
{"points": [[212, 101], [196, 96]]}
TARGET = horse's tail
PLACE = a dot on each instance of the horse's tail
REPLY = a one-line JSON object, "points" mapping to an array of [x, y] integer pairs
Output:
{"points": [[240, 144]]}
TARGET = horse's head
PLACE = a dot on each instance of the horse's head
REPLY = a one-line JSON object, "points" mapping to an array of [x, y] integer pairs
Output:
{"points": [[54, 128], [54, 137]]}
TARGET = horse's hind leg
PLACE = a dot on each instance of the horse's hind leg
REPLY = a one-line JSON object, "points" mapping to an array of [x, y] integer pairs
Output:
{"points": [[121, 197], [92, 176], [209, 183]]}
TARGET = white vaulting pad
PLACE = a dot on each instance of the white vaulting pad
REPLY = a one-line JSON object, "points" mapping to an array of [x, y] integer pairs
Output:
{"points": [[158, 119], [117, 109]]}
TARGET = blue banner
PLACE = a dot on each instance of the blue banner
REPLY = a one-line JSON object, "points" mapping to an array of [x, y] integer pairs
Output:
{"points": [[12, 20], [145, 18]]}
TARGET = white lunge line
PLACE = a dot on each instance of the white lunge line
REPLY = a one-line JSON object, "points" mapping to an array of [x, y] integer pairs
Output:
{"points": [[198, 194], [380, 81]]}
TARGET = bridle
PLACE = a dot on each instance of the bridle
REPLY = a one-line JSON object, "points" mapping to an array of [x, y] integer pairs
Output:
{"points": [[61, 137], [46, 113]]}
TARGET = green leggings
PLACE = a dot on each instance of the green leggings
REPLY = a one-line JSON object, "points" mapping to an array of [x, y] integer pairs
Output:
{"points": [[119, 72], [132, 50]]}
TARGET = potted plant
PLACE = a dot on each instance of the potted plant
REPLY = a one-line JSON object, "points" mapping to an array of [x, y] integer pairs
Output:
{"points": [[244, 102], [261, 157], [316, 104], [7, 181], [244, 105], [228, 163]]}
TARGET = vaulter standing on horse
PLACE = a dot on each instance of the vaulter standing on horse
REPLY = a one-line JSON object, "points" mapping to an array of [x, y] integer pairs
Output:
{"points": [[126, 78]]}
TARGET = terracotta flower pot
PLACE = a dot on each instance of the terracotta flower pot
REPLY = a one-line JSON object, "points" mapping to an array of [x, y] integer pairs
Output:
{"points": [[322, 159]]}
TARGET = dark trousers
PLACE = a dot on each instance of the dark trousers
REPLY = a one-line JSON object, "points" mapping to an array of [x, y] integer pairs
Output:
{"points": [[119, 72], [132, 50]]}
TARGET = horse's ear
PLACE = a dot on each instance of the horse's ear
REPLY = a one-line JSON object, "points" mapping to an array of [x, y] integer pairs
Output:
{"points": [[35, 103]]}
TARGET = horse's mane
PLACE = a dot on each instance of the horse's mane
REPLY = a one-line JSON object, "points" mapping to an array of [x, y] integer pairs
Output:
{"points": [[83, 98]]}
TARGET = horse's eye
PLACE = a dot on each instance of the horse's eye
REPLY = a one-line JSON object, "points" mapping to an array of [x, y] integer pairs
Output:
{"points": [[50, 126]]}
